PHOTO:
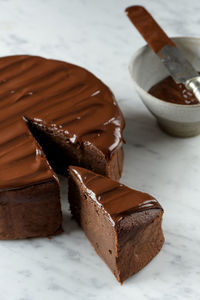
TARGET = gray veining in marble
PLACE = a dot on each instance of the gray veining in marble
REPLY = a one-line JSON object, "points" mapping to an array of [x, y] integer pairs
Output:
{"points": [[98, 36]]}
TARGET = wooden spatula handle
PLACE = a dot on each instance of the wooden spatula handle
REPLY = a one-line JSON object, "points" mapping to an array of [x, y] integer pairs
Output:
{"points": [[149, 28]]}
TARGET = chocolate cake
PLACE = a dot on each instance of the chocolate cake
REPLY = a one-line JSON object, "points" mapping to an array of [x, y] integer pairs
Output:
{"points": [[61, 110], [122, 224]]}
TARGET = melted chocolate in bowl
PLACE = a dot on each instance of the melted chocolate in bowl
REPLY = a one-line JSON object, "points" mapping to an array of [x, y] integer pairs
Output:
{"points": [[168, 90]]}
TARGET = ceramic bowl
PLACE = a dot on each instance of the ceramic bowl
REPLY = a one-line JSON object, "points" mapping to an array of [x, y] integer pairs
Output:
{"points": [[146, 70]]}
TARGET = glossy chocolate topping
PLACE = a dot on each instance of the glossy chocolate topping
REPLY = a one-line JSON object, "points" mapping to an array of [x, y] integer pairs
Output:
{"points": [[168, 90], [58, 96], [116, 199]]}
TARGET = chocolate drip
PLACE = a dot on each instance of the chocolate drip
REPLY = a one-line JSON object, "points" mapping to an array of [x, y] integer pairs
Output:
{"points": [[116, 199], [59, 96]]}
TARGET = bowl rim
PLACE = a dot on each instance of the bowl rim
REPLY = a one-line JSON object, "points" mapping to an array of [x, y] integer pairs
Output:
{"points": [[155, 99]]}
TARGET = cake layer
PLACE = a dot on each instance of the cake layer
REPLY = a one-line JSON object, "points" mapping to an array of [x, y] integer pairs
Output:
{"points": [[33, 211], [122, 224]]}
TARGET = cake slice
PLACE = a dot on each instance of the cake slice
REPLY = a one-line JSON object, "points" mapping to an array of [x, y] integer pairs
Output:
{"points": [[122, 224]]}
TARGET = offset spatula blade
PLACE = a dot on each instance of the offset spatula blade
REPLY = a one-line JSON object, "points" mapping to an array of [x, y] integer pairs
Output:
{"points": [[178, 66]]}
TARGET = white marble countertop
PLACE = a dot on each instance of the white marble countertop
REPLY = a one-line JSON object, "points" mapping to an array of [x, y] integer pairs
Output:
{"points": [[97, 35]]}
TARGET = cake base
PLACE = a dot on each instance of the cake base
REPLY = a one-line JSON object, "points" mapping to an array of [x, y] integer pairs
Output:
{"points": [[30, 212]]}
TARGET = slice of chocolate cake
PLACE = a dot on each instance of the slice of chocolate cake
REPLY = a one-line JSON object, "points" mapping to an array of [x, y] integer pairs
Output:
{"points": [[122, 224]]}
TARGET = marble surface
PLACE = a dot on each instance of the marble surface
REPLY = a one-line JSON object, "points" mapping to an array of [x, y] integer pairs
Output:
{"points": [[97, 35]]}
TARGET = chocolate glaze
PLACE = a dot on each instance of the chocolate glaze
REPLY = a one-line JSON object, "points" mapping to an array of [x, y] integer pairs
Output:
{"points": [[61, 97], [116, 199], [168, 90]]}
